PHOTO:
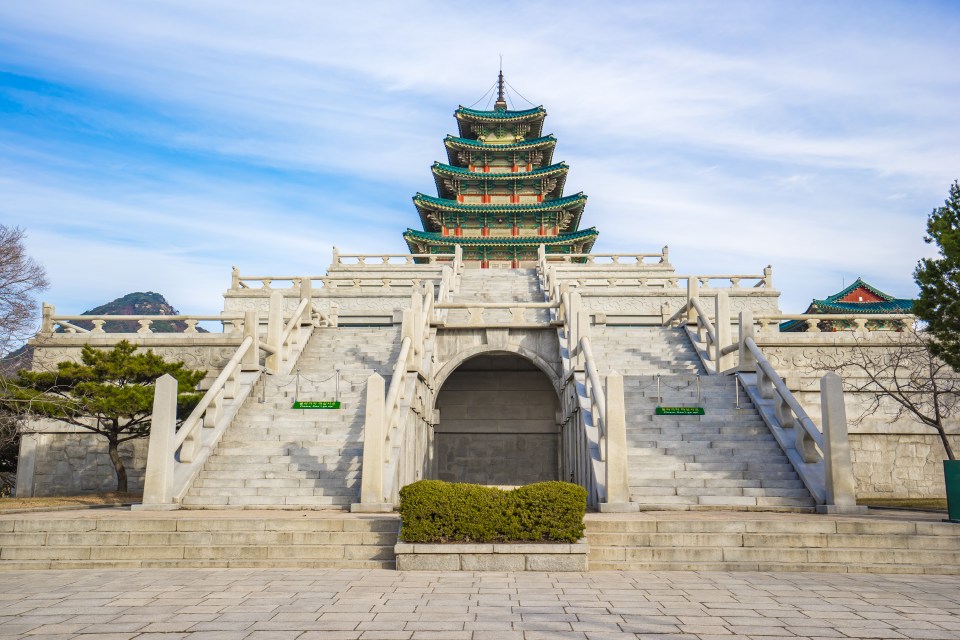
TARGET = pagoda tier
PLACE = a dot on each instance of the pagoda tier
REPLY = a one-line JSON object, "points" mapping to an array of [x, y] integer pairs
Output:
{"points": [[500, 125], [517, 250], [501, 195], [464, 152], [561, 214], [497, 184]]}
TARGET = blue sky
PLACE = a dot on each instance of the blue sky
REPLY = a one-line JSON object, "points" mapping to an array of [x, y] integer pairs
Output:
{"points": [[150, 146]]}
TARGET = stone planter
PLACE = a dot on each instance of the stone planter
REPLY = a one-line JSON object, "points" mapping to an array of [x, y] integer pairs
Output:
{"points": [[951, 478], [492, 557]]}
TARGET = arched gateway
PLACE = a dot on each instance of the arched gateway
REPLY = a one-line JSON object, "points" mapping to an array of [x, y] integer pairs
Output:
{"points": [[497, 423]]}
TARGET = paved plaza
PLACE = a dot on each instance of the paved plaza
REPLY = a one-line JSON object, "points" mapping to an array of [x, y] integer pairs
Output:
{"points": [[226, 604]]}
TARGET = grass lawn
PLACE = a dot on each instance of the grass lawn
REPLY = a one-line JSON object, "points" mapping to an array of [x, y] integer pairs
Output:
{"points": [[90, 499], [935, 504]]}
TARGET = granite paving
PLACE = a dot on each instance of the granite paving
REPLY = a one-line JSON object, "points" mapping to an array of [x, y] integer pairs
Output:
{"points": [[349, 604]]}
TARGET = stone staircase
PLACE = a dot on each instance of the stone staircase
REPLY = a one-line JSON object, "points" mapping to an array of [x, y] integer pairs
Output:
{"points": [[901, 542], [724, 459], [98, 539], [277, 457], [492, 285]]}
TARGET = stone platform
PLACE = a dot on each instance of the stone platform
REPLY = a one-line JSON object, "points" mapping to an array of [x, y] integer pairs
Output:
{"points": [[880, 542]]}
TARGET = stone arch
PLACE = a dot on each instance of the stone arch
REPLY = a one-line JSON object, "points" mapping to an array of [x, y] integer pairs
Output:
{"points": [[537, 360], [498, 412]]}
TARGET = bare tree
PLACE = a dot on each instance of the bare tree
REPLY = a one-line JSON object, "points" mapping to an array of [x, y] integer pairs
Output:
{"points": [[902, 370], [21, 278]]}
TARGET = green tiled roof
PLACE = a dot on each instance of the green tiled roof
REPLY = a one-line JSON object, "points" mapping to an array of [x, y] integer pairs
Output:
{"points": [[568, 202], [561, 167], [503, 241], [506, 114], [895, 305], [513, 146], [858, 283]]}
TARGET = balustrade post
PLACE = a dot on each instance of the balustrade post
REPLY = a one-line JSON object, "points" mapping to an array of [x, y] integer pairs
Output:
{"points": [[374, 427], [768, 277], [47, 325], [416, 312], [158, 477], [275, 332], [336, 256], [783, 413], [306, 293], [665, 255], [234, 278], [721, 319], [617, 482], [747, 361], [841, 486], [693, 293], [251, 359], [764, 384]]}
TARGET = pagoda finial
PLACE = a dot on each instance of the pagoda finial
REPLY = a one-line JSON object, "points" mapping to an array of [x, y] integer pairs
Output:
{"points": [[501, 103]]}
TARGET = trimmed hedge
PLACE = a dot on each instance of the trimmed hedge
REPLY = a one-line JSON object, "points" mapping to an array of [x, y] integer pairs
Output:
{"points": [[437, 511]]}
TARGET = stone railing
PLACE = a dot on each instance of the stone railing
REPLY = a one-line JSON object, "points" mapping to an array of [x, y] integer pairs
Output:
{"points": [[51, 322], [394, 453], [345, 260], [770, 323], [479, 314], [351, 283], [176, 456], [593, 413], [622, 259], [821, 459]]}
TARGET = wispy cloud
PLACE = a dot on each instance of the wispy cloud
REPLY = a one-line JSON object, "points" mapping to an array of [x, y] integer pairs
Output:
{"points": [[815, 136]]}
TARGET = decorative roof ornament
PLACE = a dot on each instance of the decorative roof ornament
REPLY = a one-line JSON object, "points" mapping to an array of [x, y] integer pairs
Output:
{"points": [[501, 103]]}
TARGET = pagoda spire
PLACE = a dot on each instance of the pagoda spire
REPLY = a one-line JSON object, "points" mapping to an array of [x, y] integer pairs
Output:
{"points": [[501, 103]]}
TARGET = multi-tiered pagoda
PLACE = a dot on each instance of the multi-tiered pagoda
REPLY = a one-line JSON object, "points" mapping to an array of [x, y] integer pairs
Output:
{"points": [[501, 195]]}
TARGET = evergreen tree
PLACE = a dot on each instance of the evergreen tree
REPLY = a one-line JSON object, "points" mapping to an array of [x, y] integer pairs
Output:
{"points": [[109, 393], [939, 280]]}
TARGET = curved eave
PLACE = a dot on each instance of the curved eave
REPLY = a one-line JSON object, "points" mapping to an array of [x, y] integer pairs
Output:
{"points": [[444, 172], [427, 205], [506, 115], [466, 118], [455, 145], [436, 239], [894, 306]]}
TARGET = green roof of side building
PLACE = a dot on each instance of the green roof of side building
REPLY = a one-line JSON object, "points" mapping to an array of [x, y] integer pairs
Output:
{"points": [[878, 302]]}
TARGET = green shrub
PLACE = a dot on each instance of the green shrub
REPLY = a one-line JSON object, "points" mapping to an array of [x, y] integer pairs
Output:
{"points": [[437, 511]]}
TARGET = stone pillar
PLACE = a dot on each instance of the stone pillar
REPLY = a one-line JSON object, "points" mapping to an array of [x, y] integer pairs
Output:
{"points": [[275, 332], [693, 292], [158, 478], [747, 361], [841, 489], [618, 489], [721, 319], [306, 293], [251, 325], [47, 323], [371, 480]]}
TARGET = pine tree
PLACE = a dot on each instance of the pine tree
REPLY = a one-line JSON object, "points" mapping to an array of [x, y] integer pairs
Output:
{"points": [[108, 392], [939, 280]]}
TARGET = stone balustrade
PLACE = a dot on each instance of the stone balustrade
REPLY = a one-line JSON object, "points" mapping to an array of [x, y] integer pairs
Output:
{"points": [[479, 314], [353, 260], [321, 284], [622, 259], [51, 322], [770, 323]]}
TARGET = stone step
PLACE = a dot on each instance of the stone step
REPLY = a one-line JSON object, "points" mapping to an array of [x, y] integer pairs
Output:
{"points": [[105, 542]]}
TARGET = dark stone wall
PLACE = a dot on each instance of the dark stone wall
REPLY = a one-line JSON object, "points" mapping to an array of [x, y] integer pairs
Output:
{"points": [[497, 424]]}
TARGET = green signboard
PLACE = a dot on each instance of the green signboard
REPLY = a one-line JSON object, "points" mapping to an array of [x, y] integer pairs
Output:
{"points": [[320, 404], [680, 411]]}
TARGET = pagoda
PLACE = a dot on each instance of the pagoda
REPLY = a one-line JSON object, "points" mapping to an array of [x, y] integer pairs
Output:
{"points": [[501, 195]]}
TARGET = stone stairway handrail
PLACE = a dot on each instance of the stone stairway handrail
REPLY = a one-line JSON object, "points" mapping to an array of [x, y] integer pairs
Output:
{"points": [[821, 458]]}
